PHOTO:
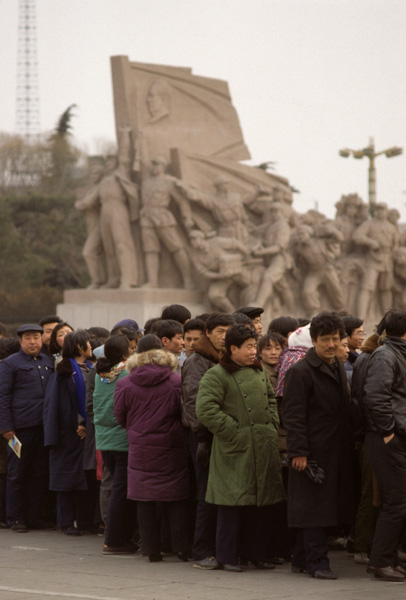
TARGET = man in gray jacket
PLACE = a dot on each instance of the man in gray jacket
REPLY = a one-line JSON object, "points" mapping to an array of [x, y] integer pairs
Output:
{"points": [[384, 400]]}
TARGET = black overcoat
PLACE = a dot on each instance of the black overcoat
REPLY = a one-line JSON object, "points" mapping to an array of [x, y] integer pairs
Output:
{"points": [[66, 470], [316, 415]]}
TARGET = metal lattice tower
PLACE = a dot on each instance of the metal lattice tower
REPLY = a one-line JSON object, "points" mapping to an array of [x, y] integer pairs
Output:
{"points": [[27, 100]]}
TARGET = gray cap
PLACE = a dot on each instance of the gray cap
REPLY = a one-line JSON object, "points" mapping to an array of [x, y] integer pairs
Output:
{"points": [[29, 327]]}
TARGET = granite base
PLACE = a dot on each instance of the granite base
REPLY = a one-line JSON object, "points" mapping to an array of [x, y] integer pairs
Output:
{"points": [[104, 308]]}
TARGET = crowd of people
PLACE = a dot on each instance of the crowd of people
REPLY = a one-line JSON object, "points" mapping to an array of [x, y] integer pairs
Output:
{"points": [[210, 439]]}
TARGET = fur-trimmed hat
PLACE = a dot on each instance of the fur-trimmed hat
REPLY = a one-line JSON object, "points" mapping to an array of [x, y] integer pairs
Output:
{"points": [[152, 357]]}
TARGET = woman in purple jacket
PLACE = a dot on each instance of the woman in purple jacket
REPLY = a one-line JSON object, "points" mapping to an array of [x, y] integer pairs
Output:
{"points": [[147, 404]]}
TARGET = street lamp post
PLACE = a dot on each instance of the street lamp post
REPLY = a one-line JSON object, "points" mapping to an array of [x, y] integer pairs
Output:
{"points": [[370, 153]]}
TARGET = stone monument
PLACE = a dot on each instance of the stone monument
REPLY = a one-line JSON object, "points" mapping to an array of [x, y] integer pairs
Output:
{"points": [[176, 217], [179, 147]]}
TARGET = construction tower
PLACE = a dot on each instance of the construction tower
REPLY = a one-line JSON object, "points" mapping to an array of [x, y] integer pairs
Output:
{"points": [[27, 100]]}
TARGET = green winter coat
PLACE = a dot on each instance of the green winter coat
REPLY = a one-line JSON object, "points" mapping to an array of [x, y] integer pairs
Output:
{"points": [[237, 404], [109, 434]]}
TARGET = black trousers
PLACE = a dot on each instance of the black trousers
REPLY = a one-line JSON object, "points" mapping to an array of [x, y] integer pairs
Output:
{"points": [[388, 462], [150, 525], [204, 544], [122, 513], [78, 505], [366, 512], [310, 551], [280, 539], [27, 477], [242, 532], [71, 506]]}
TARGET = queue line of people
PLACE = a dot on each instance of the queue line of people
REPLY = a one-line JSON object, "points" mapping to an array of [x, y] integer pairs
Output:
{"points": [[207, 439]]}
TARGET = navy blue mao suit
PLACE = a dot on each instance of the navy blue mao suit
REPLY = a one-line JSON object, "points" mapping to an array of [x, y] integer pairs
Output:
{"points": [[23, 381]]}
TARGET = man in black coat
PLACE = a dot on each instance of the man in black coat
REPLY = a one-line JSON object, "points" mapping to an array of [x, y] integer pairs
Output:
{"points": [[316, 415], [384, 403]]}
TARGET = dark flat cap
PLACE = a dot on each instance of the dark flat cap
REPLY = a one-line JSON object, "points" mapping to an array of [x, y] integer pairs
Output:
{"points": [[29, 327], [251, 311]]}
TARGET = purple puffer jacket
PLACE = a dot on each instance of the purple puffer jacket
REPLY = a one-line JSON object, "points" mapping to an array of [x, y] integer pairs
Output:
{"points": [[147, 404]]}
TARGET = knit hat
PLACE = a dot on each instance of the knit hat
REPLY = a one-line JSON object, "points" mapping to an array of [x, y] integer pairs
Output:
{"points": [[130, 323], [301, 337]]}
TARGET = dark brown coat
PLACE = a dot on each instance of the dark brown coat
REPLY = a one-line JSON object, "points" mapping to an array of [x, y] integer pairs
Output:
{"points": [[204, 358]]}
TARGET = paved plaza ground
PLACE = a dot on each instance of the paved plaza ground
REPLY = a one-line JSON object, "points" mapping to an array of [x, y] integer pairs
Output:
{"points": [[48, 565]]}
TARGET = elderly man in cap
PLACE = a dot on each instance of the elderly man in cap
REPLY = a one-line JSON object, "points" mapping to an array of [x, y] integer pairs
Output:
{"points": [[23, 380]]}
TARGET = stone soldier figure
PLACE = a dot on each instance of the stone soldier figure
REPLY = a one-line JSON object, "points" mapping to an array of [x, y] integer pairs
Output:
{"points": [[93, 251], [393, 217], [316, 255], [276, 237], [399, 271], [214, 262], [119, 206], [285, 199], [345, 220], [158, 225], [227, 208], [350, 264], [380, 239], [118, 198]]}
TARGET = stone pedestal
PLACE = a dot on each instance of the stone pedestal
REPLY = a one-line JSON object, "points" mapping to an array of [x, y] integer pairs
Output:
{"points": [[104, 308]]}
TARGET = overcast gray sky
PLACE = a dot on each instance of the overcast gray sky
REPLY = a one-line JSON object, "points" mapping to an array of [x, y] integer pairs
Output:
{"points": [[307, 77]]}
